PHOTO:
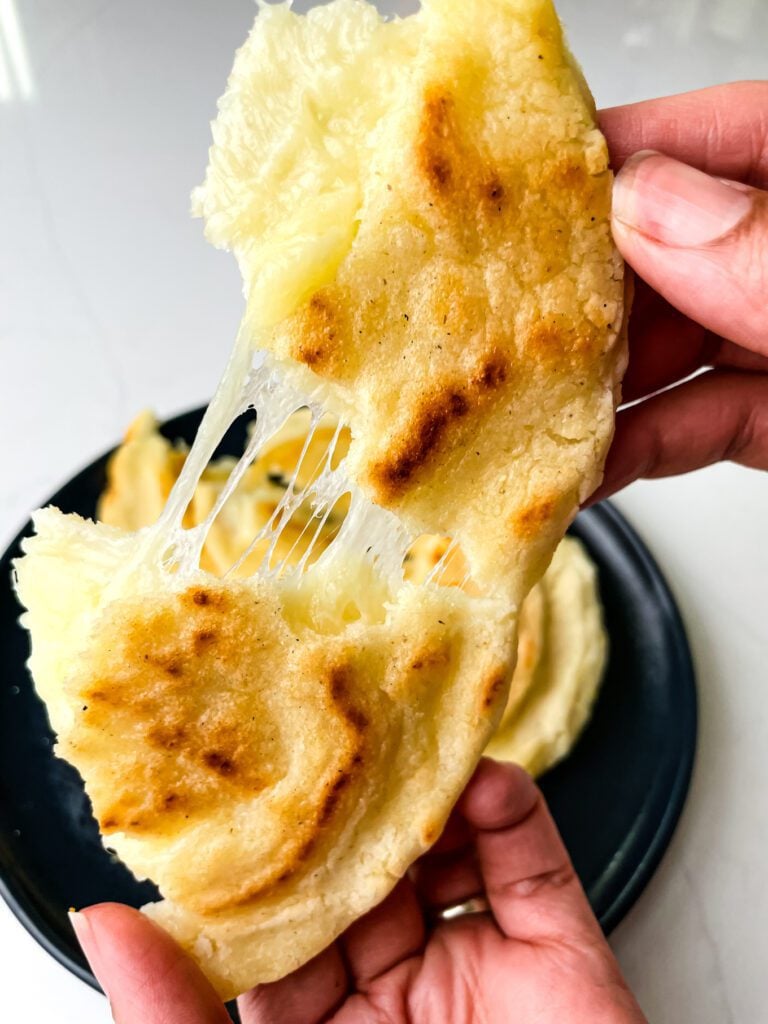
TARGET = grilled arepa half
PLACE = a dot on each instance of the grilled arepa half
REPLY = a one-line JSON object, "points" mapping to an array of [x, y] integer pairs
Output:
{"points": [[561, 639], [420, 210]]}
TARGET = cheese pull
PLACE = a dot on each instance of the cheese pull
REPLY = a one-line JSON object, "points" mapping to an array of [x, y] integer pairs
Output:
{"points": [[420, 209]]}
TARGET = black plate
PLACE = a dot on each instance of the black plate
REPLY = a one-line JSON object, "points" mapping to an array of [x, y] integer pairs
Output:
{"points": [[616, 799]]}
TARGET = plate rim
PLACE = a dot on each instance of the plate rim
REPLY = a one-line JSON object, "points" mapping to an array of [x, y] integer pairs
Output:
{"points": [[637, 882]]}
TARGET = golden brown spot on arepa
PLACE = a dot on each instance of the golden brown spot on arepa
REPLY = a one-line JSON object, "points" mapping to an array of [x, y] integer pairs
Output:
{"points": [[204, 638], [432, 657], [204, 746], [217, 742], [98, 696], [167, 737], [170, 665], [340, 680], [569, 176], [492, 687], [203, 597], [340, 683], [321, 332], [219, 762], [529, 521], [432, 424], [492, 372], [332, 799], [430, 833], [467, 184], [494, 194], [562, 346], [437, 147], [409, 453]]}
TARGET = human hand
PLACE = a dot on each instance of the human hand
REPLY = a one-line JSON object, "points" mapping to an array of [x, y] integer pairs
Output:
{"points": [[700, 247], [538, 957]]}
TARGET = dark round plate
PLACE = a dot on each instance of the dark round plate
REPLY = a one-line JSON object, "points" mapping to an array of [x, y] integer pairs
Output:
{"points": [[616, 798]]}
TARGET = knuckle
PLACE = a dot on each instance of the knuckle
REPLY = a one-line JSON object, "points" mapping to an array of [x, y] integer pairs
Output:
{"points": [[555, 878]]}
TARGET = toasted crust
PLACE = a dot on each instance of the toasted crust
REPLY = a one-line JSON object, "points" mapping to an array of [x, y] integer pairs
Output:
{"points": [[433, 262], [243, 760], [476, 318]]}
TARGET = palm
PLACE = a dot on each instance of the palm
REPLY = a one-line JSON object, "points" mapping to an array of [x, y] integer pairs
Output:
{"points": [[468, 972]]}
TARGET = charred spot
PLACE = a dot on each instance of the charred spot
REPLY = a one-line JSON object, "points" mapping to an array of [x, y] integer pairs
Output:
{"points": [[310, 356], [493, 191], [492, 688], [306, 849], [440, 172], [339, 689], [459, 405], [437, 110], [201, 597], [437, 145], [202, 639], [170, 800], [172, 666], [431, 659], [492, 373], [356, 719], [428, 432], [329, 805], [332, 799], [167, 738], [339, 685], [341, 783], [107, 824], [219, 762]]}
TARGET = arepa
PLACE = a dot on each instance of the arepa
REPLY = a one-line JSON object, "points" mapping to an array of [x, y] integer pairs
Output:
{"points": [[561, 641], [420, 209]]}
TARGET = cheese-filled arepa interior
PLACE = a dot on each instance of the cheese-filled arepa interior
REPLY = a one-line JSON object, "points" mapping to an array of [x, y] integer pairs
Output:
{"points": [[420, 211], [561, 639]]}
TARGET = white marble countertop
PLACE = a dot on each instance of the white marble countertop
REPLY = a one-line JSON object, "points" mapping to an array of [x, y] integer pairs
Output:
{"points": [[110, 301]]}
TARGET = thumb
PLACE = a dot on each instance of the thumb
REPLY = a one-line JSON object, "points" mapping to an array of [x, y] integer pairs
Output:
{"points": [[147, 978], [528, 877], [700, 241]]}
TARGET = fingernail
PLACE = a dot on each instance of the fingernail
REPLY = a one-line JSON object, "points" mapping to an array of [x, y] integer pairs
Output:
{"points": [[676, 204], [87, 936]]}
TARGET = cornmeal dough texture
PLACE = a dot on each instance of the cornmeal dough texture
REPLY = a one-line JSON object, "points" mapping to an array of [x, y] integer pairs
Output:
{"points": [[420, 210], [562, 643], [428, 201]]}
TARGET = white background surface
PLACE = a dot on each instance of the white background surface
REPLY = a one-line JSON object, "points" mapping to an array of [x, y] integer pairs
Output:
{"points": [[111, 301]]}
